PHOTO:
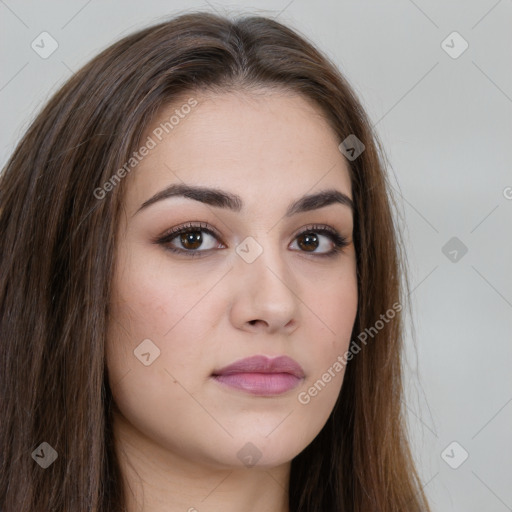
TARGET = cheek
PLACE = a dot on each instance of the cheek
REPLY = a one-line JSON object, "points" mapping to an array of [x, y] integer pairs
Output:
{"points": [[336, 309], [166, 313], [335, 305], [153, 299], [154, 350]]}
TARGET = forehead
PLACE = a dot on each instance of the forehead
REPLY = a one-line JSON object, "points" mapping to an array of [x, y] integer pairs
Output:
{"points": [[265, 146]]}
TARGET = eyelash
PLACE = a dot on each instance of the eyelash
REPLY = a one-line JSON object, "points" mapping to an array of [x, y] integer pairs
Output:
{"points": [[339, 241]]}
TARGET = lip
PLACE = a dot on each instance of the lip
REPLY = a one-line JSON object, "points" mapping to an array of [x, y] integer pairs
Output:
{"points": [[261, 375]]}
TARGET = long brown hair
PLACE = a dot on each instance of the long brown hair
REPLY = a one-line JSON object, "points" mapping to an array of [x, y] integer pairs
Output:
{"points": [[57, 248]]}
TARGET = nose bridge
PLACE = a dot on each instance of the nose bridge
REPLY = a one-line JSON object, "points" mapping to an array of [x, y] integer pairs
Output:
{"points": [[266, 275]]}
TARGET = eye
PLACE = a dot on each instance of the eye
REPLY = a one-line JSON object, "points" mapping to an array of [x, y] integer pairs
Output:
{"points": [[189, 238], [313, 237]]}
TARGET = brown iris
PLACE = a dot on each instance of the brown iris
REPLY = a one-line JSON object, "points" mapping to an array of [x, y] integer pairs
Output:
{"points": [[310, 241], [194, 238]]}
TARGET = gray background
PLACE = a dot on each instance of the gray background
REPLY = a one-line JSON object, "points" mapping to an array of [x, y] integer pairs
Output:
{"points": [[446, 126]]}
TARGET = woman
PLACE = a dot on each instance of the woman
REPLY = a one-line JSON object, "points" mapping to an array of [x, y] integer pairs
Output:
{"points": [[200, 287]]}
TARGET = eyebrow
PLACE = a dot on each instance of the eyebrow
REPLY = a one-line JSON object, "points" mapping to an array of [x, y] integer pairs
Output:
{"points": [[223, 199]]}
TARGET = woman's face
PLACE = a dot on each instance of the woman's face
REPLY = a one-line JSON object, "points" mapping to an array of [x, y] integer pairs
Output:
{"points": [[252, 277]]}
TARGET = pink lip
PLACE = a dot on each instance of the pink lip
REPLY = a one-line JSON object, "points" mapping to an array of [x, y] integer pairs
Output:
{"points": [[260, 375]]}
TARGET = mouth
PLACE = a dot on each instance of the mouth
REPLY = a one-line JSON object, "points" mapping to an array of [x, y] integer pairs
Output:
{"points": [[260, 375]]}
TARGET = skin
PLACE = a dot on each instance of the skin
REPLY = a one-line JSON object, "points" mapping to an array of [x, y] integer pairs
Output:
{"points": [[177, 430]]}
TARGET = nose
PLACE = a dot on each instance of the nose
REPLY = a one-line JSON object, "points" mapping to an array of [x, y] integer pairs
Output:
{"points": [[264, 294]]}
